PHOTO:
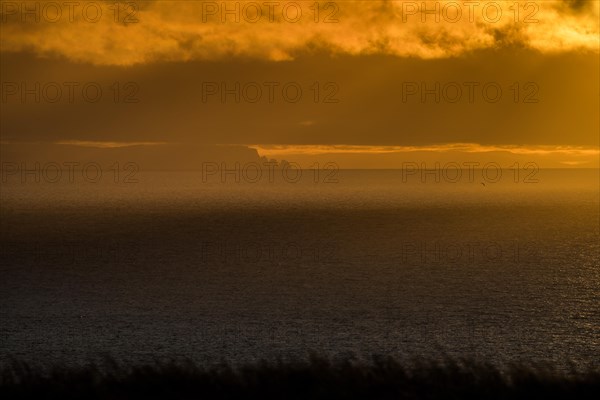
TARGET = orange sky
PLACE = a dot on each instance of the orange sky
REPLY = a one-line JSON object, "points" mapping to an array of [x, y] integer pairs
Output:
{"points": [[376, 59]]}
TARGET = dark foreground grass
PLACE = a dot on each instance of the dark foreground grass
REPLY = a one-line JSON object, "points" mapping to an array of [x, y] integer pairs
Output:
{"points": [[318, 378]]}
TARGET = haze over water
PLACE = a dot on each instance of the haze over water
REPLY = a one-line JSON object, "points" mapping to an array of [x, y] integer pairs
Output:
{"points": [[174, 267]]}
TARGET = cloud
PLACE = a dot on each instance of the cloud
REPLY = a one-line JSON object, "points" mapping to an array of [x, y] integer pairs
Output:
{"points": [[195, 30], [447, 154], [105, 144], [575, 163], [282, 150]]}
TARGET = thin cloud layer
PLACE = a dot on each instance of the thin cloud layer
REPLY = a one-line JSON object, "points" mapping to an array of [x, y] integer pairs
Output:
{"points": [[282, 150], [156, 31], [351, 156]]}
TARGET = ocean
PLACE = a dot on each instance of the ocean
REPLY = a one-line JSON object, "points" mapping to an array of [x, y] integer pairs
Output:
{"points": [[173, 266]]}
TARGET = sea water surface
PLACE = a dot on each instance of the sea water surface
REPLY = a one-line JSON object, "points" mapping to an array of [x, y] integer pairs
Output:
{"points": [[171, 267]]}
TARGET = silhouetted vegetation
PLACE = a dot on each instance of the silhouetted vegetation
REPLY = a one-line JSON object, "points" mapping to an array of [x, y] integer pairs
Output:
{"points": [[318, 378]]}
